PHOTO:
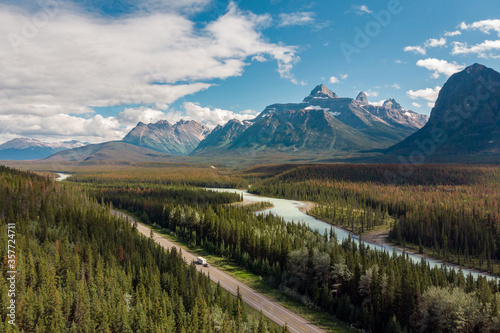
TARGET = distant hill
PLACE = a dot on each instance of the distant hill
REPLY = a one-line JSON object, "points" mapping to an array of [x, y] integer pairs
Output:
{"points": [[465, 120], [30, 149], [322, 122], [115, 150], [180, 138]]}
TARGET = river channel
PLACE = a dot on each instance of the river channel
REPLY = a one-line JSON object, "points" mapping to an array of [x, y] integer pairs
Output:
{"points": [[290, 211]]}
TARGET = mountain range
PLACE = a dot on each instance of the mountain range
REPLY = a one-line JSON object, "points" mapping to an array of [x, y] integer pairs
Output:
{"points": [[464, 121], [321, 122], [31, 149]]}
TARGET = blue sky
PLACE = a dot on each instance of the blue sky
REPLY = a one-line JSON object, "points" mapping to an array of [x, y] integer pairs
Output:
{"points": [[90, 70]]}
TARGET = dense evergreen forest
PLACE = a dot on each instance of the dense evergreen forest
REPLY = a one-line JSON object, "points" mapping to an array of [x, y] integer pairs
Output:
{"points": [[80, 269], [452, 210], [375, 291]]}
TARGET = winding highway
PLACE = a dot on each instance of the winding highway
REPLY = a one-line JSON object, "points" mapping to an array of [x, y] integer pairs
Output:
{"points": [[271, 309]]}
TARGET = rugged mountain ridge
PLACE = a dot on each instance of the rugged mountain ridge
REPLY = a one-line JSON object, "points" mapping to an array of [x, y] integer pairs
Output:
{"points": [[32, 149], [322, 121], [180, 138], [223, 136], [465, 119]]}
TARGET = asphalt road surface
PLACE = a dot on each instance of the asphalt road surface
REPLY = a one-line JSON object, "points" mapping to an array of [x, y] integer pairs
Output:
{"points": [[271, 309]]}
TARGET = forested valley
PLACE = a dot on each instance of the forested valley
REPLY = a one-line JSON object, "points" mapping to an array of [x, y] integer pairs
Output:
{"points": [[452, 211], [83, 270], [378, 292], [80, 269]]}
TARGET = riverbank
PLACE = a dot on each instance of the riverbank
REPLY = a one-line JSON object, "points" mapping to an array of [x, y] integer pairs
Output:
{"points": [[308, 206], [252, 206], [380, 236]]}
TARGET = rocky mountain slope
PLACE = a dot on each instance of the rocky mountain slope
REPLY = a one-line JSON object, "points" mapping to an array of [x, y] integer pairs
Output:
{"points": [[180, 138], [465, 119]]}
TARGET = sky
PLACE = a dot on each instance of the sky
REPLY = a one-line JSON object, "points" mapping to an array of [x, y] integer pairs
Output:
{"points": [[90, 70]]}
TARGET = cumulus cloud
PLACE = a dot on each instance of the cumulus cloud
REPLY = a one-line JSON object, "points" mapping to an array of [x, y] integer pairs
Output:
{"points": [[76, 61], [215, 116], [486, 49], [429, 94], [334, 79], [132, 116], [485, 26], [415, 104], [452, 33], [439, 67], [431, 42], [97, 128], [370, 93], [59, 127], [415, 49]]}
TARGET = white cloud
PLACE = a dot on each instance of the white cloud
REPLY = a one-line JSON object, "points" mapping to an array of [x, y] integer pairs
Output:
{"points": [[361, 9], [301, 19], [189, 6], [259, 58], [132, 116], [452, 33], [399, 61], [485, 26], [429, 94], [486, 49], [61, 126], [213, 117], [97, 128], [379, 103], [394, 85], [416, 49], [432, 42], [416, 105], [75, 61], [297, 18], [439, 67], [430, 104], [370, 93], [333, 79]]}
